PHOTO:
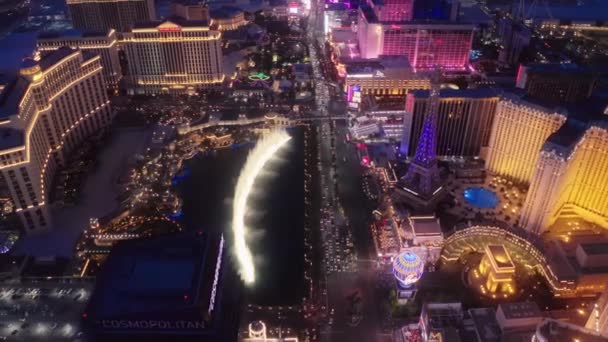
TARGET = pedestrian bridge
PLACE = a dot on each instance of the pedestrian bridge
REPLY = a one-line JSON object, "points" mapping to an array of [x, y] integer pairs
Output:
{"points": [[271, 120]]}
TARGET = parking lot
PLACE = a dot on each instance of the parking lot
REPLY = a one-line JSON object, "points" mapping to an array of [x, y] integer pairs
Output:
{"points": [[43, 310]]}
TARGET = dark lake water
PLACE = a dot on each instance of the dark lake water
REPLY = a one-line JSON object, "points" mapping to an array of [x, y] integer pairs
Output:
{"points": [[277, 240]]}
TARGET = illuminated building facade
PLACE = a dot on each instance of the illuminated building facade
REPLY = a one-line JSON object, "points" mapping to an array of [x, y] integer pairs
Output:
{"points": [[102, 15], [563, 83], [498, 270], [519, 130], [386, 76], [172, 57], [228, 18], [424, 44], [197, 303], [570, 179], [50, 109], [385, 113], [464, 121], [393, 10], [190, 9], [407, 270], [104, 45]]}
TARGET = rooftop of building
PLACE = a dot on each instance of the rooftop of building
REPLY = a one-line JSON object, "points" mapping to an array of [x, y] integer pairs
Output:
{"points": [[519, 96], [129, 282], [552, 330], [559, 68], [595, 248], [51, 59], [478, 93], [370, 17], [443, 316], [73, 33], [520, 310], [581, 116], [171, 20], [589, 11], [225, 12], [14, 91], [357, 66], [189, 2], [425, 225], [372, 104], [500, 256], [11, 137], [485, 323], [566, 137], [276, 3]]}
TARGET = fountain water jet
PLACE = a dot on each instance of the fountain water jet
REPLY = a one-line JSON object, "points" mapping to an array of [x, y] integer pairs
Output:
{"points": [[263, 152]]}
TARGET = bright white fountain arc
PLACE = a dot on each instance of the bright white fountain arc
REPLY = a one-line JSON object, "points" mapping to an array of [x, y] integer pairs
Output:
{"points": [[264, 150]]}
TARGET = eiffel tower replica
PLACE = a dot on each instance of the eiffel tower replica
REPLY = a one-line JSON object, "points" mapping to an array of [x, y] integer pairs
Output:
{"points": [[422, 184]]}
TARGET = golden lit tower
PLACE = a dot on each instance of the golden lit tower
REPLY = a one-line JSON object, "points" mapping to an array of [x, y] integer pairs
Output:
{"points": [[50, 109], [176, 56], [571, 178], [519, 131], [103, 44]]}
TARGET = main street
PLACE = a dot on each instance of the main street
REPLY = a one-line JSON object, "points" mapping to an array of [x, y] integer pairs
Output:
{"points": [[341, 174]]}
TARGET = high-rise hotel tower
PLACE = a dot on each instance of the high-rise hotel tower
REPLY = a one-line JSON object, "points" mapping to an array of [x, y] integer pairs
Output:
{"points": [[571, 178], [103, 44], [102, 15], [519, 131], [172, 56], [48, 110]]}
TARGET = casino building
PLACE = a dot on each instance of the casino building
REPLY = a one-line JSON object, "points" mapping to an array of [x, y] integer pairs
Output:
{"points": [[464, 121], [54, 105], [386, 76], [172, 56], [159, 288], [424, 44]]}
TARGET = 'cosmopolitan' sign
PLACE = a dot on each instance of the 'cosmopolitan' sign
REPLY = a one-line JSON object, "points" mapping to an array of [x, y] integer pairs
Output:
{"points": [[151, 324]]}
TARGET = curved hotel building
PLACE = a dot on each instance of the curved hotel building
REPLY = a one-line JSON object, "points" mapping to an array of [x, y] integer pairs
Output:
{"points": [[519, 131], [571, 179], [52, 107], [104, 44]]}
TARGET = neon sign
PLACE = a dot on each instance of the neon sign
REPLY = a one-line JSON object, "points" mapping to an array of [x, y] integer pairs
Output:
{"points": [[170, 29], [260, 76]]}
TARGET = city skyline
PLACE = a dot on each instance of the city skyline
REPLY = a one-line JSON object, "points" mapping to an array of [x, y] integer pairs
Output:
{"points": [[307, 170]]}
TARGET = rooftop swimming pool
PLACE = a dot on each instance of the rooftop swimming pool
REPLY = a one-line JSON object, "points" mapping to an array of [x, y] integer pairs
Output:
{"points": [[481, 198]]}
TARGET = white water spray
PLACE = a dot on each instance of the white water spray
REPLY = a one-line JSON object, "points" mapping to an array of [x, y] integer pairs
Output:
{"points": [[264, 150]]}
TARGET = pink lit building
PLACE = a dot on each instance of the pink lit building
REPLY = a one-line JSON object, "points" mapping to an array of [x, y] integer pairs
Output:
{"points": [[424, 44], [393, 10]]}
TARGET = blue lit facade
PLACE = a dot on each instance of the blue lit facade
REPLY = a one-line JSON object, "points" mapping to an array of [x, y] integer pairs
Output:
{"points": [[407, 269]]}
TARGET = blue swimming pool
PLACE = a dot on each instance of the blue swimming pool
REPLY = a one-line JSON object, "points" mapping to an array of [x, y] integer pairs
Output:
{"points": [[481, 198]]}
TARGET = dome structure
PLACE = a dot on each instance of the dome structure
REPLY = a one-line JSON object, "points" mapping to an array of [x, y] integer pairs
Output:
{"points": [[407, 268], [257, 330]]}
